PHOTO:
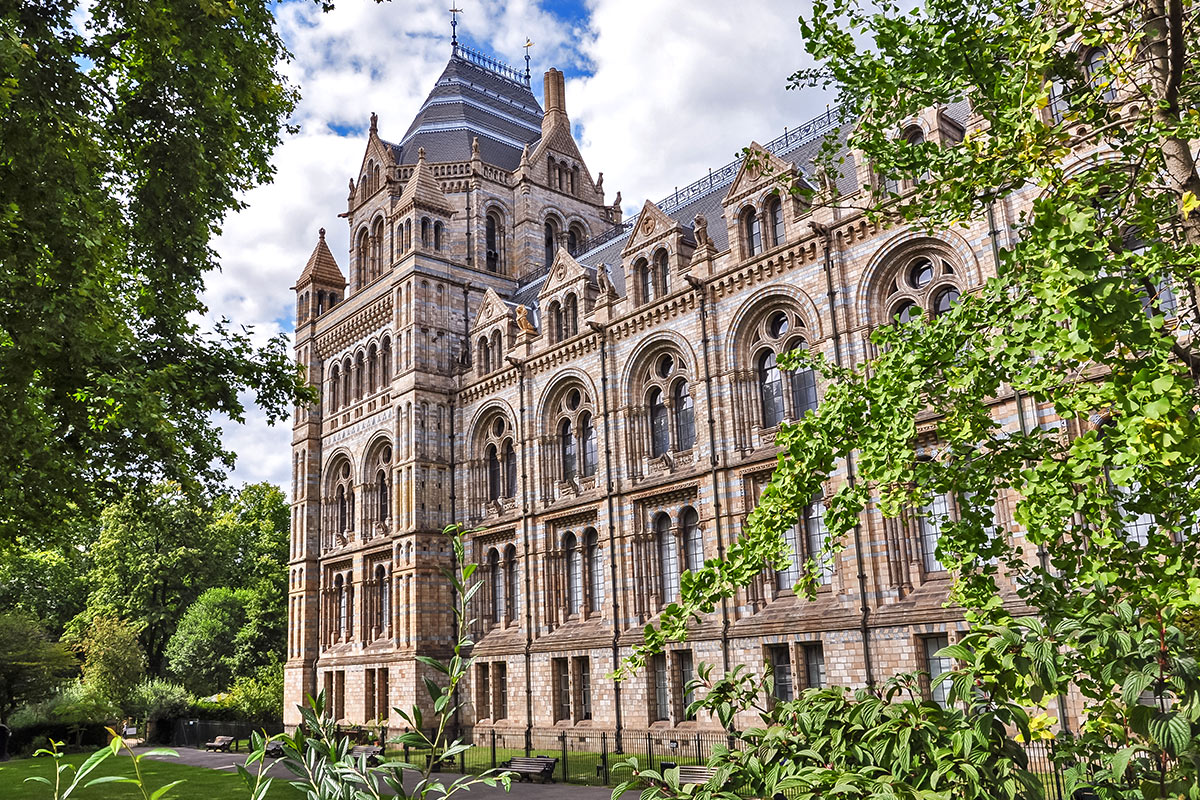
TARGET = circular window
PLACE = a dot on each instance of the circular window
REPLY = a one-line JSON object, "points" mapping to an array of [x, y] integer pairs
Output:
{"points": [[907, 312], [498, 426], [921, 273], [665, 365], [573, 399], [778, 325], [386, 455], [945, 301], [345, 470]]}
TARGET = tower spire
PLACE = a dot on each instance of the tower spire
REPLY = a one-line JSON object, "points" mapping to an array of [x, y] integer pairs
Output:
{"points": [[454, 12], [528, 44]]}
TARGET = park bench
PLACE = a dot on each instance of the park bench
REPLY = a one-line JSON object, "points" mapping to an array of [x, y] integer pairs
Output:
{"points": [[371, 752], [221, 744], [439, 761], [535, 766], [273, 750], [695, 774]]}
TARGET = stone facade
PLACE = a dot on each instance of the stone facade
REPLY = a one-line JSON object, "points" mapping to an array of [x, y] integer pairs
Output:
{"points": [[598, 405]]}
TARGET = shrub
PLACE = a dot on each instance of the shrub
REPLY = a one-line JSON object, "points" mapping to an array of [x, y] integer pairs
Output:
{"points": [[158, 699]]}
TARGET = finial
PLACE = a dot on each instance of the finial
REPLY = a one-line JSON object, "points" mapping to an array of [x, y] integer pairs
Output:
{"points": [[374, 122], [528, 44], [421, 154], [322, 234], [454, 12]]}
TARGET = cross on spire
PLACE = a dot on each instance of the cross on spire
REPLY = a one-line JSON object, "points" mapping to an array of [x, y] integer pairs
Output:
{"points": [[454, 12]]}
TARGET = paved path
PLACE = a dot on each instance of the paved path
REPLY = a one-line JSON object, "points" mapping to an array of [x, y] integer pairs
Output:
{"points": [[520, 791]]}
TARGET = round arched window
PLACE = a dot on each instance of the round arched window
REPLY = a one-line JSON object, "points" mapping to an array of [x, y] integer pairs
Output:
{"points": [[778, 324], [906, 312], [665, 365], [946, 300], [920, 273]]}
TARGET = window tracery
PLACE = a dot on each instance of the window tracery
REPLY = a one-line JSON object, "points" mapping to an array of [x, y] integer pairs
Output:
{"points": [[781, 395], [925, 283], [575, 436], [669, 412]]}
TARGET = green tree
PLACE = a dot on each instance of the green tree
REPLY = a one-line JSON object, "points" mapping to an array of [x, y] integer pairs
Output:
{"points": [[1092, 314], [49, 584], [113, 661], [127, 141], [200, 653], [31, 666], [157, 552]]}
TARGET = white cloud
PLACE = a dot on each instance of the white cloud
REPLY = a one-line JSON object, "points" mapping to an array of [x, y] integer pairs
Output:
{"points": [[674, 87], [680, 86]]}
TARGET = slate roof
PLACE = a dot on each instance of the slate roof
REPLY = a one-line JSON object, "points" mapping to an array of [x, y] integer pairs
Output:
{"points": [[468, 101], [322, 267]]}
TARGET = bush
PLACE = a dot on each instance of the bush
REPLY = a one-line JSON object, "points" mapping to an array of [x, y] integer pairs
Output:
{"points": [[259, 700], [158, 699], [75, 714]]}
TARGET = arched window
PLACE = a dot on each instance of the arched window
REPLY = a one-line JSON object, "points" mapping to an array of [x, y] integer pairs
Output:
{"points": [[587, 444], [557, 330], [360, 371], [685, 422], [551, 239], [693, 541], [770, 390], [496, 578], [573, 559], [372, 368], [513, 576], [945, 300], [572, 240], [362, 257], [775, 221], [804, 387], [645, 275], [1057, 104], [668, 559], [407, 235], [343, 510], [660, 440], [570, 316], [566, 440], [510, 469], [425, 232], [384, 587], [1097, 74], [662, 272], [382, 497], [386, 366], [438, 235], [377, 248], [347, 388], [595, 568], [497, 349], [485, 357], [923, 283], [493, 473], [492, 235], [752, 231], [335, 376]]}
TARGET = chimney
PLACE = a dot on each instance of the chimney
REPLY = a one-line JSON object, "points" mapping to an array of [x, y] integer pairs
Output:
{"points": [[555, 92]]}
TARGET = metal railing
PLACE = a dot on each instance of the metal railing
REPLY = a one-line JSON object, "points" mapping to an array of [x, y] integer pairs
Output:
{"points": [[723, 176], [492, 65]]}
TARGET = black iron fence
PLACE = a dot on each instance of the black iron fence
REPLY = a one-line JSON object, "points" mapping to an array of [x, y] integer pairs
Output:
{"points": [[198, 732]]}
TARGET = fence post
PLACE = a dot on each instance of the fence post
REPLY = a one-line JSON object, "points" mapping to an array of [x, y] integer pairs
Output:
{"points": [[563, 739], [604, 755], [528, 740], [649, 753]]}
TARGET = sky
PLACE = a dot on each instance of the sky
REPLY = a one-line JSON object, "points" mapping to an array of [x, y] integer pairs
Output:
{"points": [[658, 91]]}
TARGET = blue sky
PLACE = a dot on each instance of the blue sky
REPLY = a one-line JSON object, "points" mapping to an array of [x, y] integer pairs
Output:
{"points": [[658, 91]]}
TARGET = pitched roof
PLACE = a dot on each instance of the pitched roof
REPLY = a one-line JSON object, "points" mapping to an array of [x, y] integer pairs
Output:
{"points": [[476, 96], [321, 267], [423, 189]]}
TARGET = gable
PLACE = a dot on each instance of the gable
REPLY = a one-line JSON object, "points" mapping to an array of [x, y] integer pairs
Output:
{"points": [[652, 225], [760, 169], [564, 272], [491, 310]]}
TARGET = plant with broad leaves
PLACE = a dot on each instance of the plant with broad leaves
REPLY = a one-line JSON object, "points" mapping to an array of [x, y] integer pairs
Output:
{"points": [[68, 777], [322, 760]]}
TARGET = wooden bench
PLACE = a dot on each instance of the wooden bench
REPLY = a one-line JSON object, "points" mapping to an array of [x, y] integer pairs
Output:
{"points": [[221, 744], [273, 750], [371, 752], [534, 766], [695, 774]]}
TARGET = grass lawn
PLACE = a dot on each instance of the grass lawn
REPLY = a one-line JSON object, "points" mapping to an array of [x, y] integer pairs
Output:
{"points": [[200, 783]]}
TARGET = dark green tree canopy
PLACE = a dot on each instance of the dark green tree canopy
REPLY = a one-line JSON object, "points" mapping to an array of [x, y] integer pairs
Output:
{"points": [[125, 145], [31, 666]]}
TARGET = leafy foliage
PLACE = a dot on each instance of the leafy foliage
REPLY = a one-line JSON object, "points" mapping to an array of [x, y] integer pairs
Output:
{"points": [[113, 661], [200, 652], [1092, 315], [31, 666], [109, 131]]}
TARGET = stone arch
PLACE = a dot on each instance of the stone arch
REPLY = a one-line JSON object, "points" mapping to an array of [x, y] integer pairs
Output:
{"points": [[484, 413], [756, 304], [650, 347], [561, 383], [896, 248]]}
